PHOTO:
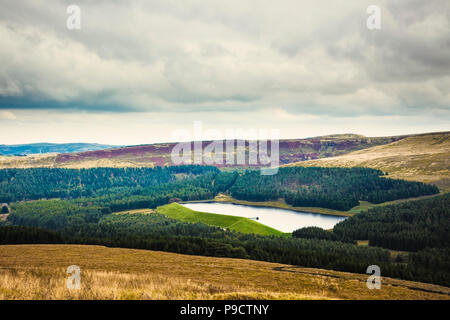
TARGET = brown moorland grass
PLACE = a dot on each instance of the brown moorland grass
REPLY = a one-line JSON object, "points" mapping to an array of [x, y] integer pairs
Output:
{"points": [[38, 272], [424, 157]]}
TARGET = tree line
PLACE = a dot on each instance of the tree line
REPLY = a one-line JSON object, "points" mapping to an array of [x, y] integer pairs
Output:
{"points": [[408, 226], [48, 183], [128, 188], [334, 188]]}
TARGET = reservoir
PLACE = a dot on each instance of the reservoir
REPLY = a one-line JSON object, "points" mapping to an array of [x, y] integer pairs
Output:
{"points": [[280, 219]]}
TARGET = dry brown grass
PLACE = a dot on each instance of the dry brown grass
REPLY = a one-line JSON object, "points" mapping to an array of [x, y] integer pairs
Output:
{"points": [[49, 161], [136, 211], [423, 158], [50, 283], [38, 272]]}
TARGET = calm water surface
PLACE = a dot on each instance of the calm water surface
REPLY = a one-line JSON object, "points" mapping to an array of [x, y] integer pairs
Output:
{"points": [[280, 219]]}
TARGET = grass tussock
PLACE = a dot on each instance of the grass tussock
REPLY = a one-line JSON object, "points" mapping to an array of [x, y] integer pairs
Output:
{"points": [[36, 284], [49, 284]]}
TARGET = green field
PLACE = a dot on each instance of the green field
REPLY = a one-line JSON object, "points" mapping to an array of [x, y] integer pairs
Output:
{"points": [[240, 224]]}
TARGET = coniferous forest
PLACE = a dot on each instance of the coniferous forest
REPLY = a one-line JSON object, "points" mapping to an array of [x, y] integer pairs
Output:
{"points": [[334, 188], [77, 206], [409, 226]]}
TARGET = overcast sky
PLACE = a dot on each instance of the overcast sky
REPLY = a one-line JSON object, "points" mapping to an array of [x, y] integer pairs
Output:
{"points": [[137, 71]]}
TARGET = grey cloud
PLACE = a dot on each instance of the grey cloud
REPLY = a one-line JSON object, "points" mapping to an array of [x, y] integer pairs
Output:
{"points": [[411, 46], [315, 58]]}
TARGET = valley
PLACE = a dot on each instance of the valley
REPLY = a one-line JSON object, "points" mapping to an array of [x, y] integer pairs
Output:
{"points": [[132, 207], [224, 150]]}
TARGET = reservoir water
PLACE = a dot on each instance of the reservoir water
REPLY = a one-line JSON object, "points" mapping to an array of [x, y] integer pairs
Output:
{"points": [[280, 219]]}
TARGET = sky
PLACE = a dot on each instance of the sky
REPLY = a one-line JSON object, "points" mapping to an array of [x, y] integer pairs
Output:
{"points": [[138, 71]]}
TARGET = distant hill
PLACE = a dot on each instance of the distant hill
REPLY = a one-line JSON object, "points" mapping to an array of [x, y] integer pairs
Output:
{"points": [[159, 154], [340, 136], [42, 148], [424, 157]]}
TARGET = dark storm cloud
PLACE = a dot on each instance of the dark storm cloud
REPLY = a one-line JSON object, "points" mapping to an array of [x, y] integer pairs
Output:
{"points": [[95, 105]]}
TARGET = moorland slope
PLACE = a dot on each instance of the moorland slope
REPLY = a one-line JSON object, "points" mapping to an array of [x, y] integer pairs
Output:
{"points": [[424, 158], [39, 272]]}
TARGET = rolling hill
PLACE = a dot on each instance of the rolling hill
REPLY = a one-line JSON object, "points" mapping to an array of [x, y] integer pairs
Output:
{"points": [[159, 154], [423, 158], [39, 272]]}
